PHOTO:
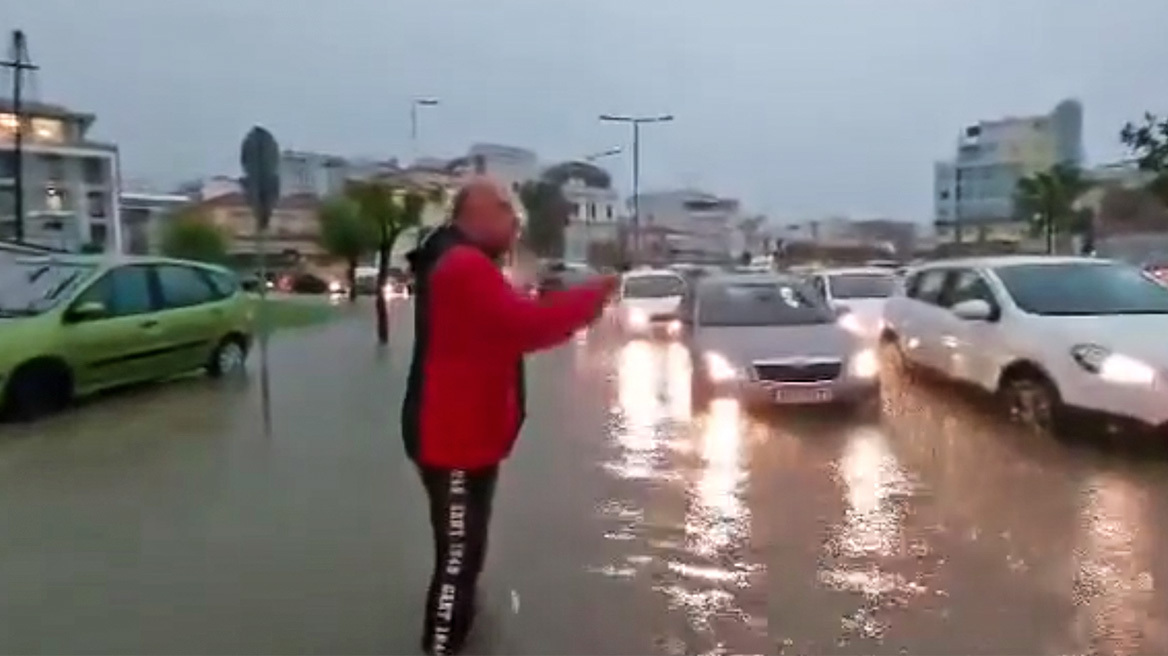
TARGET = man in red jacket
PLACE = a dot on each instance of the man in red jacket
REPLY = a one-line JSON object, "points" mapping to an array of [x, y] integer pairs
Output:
{"points": [[464, 401]]}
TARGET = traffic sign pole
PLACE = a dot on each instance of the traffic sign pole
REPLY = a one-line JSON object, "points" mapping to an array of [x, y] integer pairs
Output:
{"points": [[260, 158]]}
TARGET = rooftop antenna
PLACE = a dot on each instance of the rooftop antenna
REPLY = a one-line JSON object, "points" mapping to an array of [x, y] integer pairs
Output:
{"points": [[19, 63]]}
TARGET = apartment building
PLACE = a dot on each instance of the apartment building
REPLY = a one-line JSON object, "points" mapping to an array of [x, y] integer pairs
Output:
{"points": [[976, 187], [696, 225], [70, 181], [293, 234]]}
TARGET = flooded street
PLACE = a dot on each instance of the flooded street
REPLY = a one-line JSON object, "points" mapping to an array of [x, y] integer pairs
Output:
{"points": [[164, 521]]}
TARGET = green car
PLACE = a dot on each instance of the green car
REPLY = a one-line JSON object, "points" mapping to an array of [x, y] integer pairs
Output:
{"points": [[72, 325]]}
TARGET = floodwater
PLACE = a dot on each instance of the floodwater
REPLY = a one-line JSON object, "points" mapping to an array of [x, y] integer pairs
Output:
{"points": [[164, 520]]}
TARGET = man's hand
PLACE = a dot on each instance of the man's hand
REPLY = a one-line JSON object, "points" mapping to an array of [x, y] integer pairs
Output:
{"points": [[609, 283]]}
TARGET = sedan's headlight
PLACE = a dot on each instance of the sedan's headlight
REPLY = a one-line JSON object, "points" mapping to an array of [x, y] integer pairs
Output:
{"points": [[864, 364], [334, 286], [720, 369], [1113, 367], [851, 323]]}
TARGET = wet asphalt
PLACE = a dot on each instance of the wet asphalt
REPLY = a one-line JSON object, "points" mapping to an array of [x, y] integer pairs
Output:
{"points": [[164, 520]]}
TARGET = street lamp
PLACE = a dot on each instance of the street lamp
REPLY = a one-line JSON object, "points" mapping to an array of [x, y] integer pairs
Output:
{"points": [[615, 150], [636, 122], [414, 105]]}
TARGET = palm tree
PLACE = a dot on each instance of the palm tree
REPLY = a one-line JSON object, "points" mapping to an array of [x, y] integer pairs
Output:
{"points": [[1047, 200], [390, 212], [345, 235]]}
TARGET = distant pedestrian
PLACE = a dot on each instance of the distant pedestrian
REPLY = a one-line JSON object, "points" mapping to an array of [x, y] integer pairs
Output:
{"points": [[464, 403]]}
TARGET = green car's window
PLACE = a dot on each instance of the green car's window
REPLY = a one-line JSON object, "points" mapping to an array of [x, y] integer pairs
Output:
{"points": [[124, 291], [31, 287], [184, 286], [225, 284]]}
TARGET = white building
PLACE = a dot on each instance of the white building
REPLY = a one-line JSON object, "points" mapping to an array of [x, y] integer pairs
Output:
{"points": [[977, 187], [143, 217], [509, 164], [70, 181], [314, 174], [699, 225], [594, 218]]}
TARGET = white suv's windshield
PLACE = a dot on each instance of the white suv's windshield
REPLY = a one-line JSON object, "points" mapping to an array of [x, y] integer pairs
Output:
{"points": [[28, 288], [1083, 289], [654, 286]]}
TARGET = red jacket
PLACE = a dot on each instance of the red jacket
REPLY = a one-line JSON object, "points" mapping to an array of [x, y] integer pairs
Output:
{"points": [[465, 398]]}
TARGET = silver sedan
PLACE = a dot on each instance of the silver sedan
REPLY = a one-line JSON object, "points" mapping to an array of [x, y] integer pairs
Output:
{"points": [[770, 339]]}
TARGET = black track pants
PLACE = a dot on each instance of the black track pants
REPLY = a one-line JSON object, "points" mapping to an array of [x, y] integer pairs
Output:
{"points": [[460, 514]]}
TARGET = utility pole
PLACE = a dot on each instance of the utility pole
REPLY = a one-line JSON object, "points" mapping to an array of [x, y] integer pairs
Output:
{"points": [[636, 122], [957, 231], [414, 105], [19, 62]]}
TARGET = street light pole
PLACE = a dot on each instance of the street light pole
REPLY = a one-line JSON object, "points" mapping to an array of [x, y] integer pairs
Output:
{"points": [[616, 150], [19, 63], [636, 122], [414, 105]]}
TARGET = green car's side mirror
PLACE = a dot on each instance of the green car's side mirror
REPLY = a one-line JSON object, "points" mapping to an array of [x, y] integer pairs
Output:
{"points": [[87, 310]]}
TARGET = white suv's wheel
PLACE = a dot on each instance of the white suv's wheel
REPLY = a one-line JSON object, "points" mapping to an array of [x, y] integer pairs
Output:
{"points": [[1032, 402]]}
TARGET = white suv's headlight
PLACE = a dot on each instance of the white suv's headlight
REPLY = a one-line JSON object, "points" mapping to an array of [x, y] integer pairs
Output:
{"points": [[1113, 367], [864, 364]]}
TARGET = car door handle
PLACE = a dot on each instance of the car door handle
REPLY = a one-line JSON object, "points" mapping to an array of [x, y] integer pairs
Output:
{"points": [[149, 323]]}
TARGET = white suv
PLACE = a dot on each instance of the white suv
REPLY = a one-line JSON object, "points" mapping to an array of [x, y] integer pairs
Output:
{"points": [[1053, 336]]}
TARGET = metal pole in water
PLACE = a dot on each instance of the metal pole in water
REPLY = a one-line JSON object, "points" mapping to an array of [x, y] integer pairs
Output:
{"points": [[265, 329]]}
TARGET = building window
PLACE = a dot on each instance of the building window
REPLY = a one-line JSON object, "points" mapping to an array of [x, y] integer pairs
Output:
{"points": [[48, 129], [54, 167], [591, 210], [98, 235], [55, 199], [575, 210], [96, 201], [7, 203], [7, 164], [93, 170], [608, 212]]}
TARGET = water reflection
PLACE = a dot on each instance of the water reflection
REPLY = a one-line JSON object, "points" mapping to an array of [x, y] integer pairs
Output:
{"points": [[713, 569], [1114, 589], [871, 533]]}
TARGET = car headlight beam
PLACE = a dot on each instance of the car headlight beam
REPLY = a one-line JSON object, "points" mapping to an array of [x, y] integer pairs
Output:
{"points": [[719, 368], [864, 364]]}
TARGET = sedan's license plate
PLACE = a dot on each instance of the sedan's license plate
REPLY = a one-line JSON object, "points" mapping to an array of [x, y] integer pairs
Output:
{"points": [[813, 395]]}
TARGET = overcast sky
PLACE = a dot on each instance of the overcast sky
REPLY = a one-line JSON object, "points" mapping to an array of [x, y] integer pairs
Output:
{"points": [[800, 107]]}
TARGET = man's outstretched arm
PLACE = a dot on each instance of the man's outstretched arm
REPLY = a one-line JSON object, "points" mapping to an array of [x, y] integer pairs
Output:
{"points": [[467, 277]]}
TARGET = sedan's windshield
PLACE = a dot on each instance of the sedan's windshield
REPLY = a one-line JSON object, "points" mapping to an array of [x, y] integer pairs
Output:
{"points": [[861, 285], [762, 304], [28, 288], [1084, 289], [654, 286]]}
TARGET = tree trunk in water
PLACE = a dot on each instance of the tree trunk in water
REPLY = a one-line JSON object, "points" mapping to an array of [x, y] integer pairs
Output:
{"points": [[382, 308], [351, 279]]}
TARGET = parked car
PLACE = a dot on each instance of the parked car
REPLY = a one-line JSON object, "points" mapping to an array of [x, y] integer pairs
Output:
{"points": [[770, 339], [74, 325], [1056, 338], [862, 290]]}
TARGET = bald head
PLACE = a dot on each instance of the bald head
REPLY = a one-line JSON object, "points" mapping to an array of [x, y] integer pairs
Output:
{"points": [[482, 210]]}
